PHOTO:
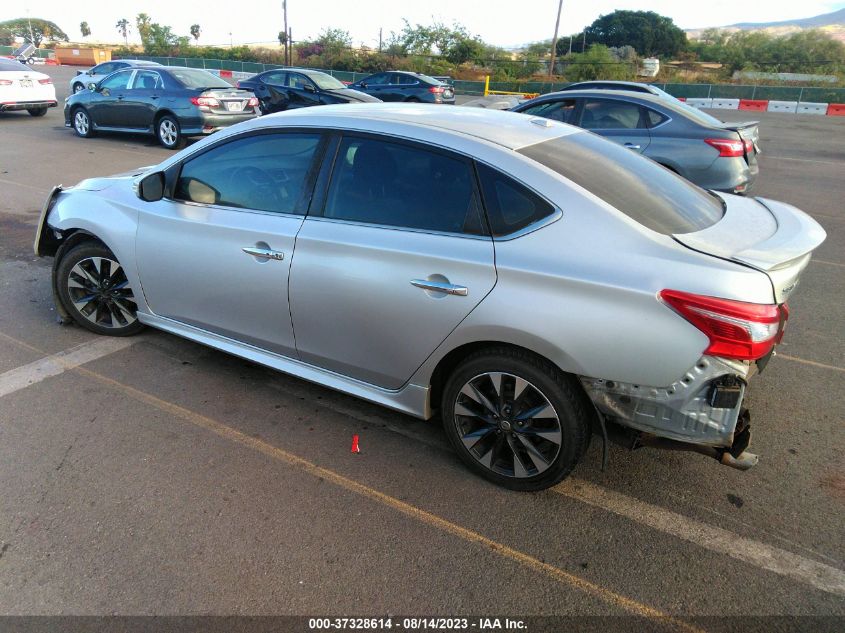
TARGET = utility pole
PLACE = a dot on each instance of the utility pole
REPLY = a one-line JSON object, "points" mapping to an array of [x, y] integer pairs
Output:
{"points": [[290, 46], [379, 39], [287, 33], [570, 45], [554, 41], [584, 42]]}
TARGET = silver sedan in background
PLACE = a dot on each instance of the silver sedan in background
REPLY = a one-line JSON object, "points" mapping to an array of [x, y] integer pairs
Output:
{"points": [[699, 147], [532, 282]]}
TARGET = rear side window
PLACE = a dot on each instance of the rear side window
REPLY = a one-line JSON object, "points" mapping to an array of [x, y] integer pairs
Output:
{"points": [[638, 187], [511, 206], [401, 185], [268, 172]]}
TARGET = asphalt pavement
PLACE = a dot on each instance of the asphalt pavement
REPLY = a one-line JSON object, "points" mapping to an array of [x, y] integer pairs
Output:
{"points": [[155, 476]]}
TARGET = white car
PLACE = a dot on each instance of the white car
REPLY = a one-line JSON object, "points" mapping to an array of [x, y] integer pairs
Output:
{"points": [[22, 88], [100, 71]]}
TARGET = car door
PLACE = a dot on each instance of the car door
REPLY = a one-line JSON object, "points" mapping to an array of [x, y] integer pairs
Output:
{"points": [[106, 108], [618, 120], [303, 92], [406, 87], [389, 260], [141, 99], [216, 253], [377, 86]]}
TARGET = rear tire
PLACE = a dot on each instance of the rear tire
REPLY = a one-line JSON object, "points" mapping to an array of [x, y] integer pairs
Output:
{"points": [[169, 132], [37, 111], [515, 419], [94, 291], [81, 122]]}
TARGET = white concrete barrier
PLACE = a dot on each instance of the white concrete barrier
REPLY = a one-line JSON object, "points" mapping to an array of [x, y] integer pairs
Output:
{"points": [[808, 107], [782, 106], [699, 103], [725, 104]]}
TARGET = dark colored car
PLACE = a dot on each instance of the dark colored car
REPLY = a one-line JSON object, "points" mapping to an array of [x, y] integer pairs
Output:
{"points": [[101, 71], [711, 154], [289, 88], [399, 85], [168, 101]]}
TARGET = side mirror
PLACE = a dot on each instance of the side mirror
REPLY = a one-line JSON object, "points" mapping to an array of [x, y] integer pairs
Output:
{"points": [[92, 86], [363, 84], [151, 187], [309, 88]]}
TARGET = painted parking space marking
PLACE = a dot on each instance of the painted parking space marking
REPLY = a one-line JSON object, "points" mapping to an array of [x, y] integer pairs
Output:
{"points": [[432, 520], [782, 562], [36, 371], [812, 363]]}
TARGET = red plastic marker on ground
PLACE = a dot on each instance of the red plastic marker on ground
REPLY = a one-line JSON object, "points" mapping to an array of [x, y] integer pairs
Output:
{"points": [[355, 448]]}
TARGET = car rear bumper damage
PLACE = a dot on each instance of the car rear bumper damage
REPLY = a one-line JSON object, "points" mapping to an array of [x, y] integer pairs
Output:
{"points": [[700, 412]]}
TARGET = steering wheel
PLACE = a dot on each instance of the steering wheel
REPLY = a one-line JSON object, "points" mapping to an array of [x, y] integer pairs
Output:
{"points": [[262, 190]]}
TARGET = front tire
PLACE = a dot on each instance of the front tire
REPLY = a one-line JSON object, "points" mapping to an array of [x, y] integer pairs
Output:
{"points": [[81, 121], [169, 132], [93, 289], [515, 419], [37, 111]]}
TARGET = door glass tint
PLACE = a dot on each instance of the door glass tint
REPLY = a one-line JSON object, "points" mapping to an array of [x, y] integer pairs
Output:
{"points": [[377, 80], [277, 79], [117, 81], [146, 80], [643, 190], [510, 206], [402, 185], [555, 110], [295, 80], [610, 115], [405, 80], [268, 172]]}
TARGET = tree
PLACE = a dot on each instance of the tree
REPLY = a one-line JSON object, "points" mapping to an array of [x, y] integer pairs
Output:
{"points": [[143, 22], [41, 30], [195, 32], [283, 38], [123, 27], [161, 40], [84, 29], [649, 33], [597, 63], [452, 42], [334, 41]]}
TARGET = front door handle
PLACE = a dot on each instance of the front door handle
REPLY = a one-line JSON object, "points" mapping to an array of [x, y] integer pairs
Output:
{"points": [[440, 286], [632, 146], [264, 252]]}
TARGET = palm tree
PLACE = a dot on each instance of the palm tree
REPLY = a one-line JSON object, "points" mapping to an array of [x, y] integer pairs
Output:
{"points": [[123, 26], [195, 32], [84, 29]]}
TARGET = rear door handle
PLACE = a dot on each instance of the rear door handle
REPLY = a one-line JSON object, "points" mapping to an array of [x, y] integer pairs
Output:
{"points": [[263, 252], [439, 286]]}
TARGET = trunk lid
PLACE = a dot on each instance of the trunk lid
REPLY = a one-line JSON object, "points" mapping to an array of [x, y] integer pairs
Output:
{"points": [[772, 237], [748, 131], [232, 100]]}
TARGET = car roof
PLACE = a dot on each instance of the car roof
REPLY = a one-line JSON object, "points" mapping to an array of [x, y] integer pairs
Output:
{"points": [[508, 129], [611, 82], [138, 62], [606, 94]]}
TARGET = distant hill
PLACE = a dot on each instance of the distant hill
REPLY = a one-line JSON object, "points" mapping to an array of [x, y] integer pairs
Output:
{"points": [[831, 23]]}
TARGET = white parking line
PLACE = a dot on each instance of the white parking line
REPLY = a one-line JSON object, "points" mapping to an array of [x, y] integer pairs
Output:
{"points": [[821, 576], [824, 261], [806, 160], [36, 371], [795, 359]]}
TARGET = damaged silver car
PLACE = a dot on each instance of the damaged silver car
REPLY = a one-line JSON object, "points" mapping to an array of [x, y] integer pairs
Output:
{"points": [[528, 281]]}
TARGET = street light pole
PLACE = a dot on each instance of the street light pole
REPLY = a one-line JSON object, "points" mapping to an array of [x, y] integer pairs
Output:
{"points": [[554, 41], [287, 33]]}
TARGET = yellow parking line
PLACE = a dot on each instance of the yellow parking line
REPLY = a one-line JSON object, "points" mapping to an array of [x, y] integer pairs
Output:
{"points": [[432, 520]]}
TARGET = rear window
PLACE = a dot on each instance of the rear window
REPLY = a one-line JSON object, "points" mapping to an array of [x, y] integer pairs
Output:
{"points": [[638, 187], [195, 78], [11, 64]]}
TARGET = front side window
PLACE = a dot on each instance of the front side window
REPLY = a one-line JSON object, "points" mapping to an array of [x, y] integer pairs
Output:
{"points": [[511, 206], [392, 184], [377, 80], [268, 172], [117, 81], [556, 110], [295, 80], [106, 69], [638, 187], [611, 115]]}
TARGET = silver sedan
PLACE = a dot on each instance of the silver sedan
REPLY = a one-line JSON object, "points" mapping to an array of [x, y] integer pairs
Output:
{"points": [[530, 282]]}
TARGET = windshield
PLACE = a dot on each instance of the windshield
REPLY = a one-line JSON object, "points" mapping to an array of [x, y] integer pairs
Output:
{"points": [[196, 78], [11, 64], [324, 81], [638, 187]]}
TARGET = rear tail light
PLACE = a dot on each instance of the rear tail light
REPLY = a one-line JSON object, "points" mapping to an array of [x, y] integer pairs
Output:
{"points": [[5, 82], [45, 82], [727, 147], [252, 102], [436, 89], [208, 102], [745, 331], [237, 84], [749, 146]]}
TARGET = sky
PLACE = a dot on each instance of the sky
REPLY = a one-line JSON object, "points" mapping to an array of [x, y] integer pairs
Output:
{"points": [[499, 22]]}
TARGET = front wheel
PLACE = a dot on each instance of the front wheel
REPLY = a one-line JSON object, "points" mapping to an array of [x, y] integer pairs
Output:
{"points": [[82, 123], [94, 290], [169, 132], [37, 111], [515, 419]]}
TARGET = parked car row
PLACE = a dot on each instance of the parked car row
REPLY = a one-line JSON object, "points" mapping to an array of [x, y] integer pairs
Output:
{"points": [[529, 281]]}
